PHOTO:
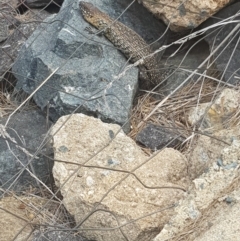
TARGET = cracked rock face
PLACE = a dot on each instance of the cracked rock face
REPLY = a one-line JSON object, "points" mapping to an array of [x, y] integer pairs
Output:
{"points": [[86, 140]]}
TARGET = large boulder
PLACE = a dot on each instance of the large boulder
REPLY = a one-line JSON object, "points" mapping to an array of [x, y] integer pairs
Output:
{"points": [[118, 185]]}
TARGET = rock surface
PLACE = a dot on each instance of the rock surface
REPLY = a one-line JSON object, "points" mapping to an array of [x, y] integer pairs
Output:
{"points": [[156, 137], [11, 224], [29, 133], [224, 224], [217, 115], [185, 61], [226, 58], [208, 150], [17, 34], [87, 64], [217, 119], [211, 191], [18, 212], [4, 23], [184, 15], [86, 140]]}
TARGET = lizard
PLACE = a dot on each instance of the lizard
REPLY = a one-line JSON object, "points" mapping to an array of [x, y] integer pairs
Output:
{"points": [[131, 44]]}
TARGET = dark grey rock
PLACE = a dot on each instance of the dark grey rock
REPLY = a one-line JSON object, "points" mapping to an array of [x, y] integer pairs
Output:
{"points": [[57, 235], [7, 18], [3, 29], [28, 130], [87, 63], [216, 35], [183, 63], [7, 22], [229, 200], [9, 48], [41, 3], [156, 137]]}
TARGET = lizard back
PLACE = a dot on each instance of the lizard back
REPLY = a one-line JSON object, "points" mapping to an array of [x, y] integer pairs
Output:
{"points": [[125, 39]]}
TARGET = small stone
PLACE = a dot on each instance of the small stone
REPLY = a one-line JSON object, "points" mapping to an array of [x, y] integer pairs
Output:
{"points": [[228, 200], [157, 137]]}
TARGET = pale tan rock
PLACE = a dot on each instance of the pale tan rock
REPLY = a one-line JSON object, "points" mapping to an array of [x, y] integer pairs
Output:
{"points": [[84, 139], [17, 214], [183, 15], [196, 212], [197, 112], [225, 224], [10, 224], [218, 115], [209, 150]]}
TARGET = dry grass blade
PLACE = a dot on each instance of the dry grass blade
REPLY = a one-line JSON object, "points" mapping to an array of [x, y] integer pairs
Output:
{"points": [[173, 113]]}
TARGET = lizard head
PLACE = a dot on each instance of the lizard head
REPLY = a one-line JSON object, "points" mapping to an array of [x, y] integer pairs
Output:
{"points": [[87, 9], [93, 15]]}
